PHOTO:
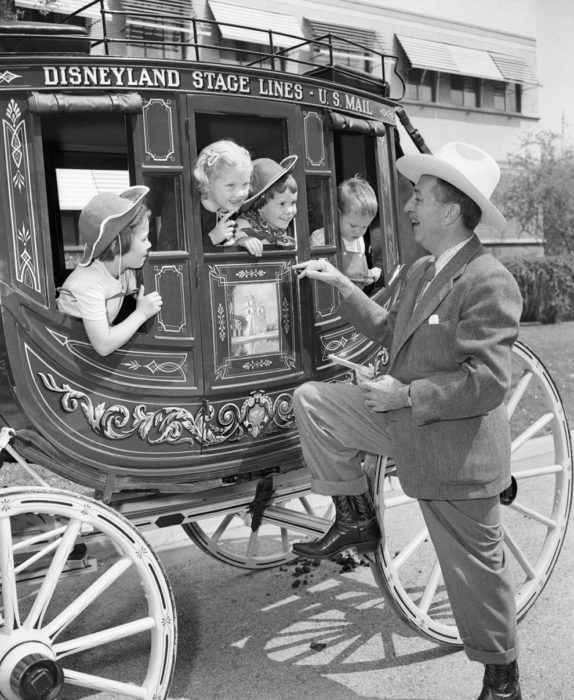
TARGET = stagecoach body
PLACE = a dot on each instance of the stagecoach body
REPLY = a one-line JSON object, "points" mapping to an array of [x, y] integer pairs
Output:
{"points": [[206, 386], [191, 422]]}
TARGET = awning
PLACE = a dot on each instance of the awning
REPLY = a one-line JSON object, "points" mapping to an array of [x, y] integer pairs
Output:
{"points": [[345, 38], [76, 186], [239, 23], [462, 60], [514, 69], [171, 14]]}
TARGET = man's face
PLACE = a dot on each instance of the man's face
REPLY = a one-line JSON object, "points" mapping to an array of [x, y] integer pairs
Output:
{"points": [[426, 214], [280, 209], [353, 224]]}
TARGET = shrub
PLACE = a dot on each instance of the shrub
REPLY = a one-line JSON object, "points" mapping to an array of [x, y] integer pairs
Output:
{"points": [[547, 287]]}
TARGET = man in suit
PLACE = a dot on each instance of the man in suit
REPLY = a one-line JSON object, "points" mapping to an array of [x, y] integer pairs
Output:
{"points": [[439, 411]]}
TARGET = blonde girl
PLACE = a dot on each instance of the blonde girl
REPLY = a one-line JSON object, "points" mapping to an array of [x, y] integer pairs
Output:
{"points": [[222, 175]]}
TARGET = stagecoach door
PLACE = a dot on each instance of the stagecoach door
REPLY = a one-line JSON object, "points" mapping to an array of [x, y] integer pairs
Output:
{"points": [[250, 318]]}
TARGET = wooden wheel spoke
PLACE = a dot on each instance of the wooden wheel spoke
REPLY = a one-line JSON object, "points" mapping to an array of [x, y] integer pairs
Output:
{"points": [[534, 515], [252, 544], [26, 543], [285, 544], [52, 576], [40, 554], [518, 554], [222, 527], [407, 552], [538, 471], [431, 587], [531, 431], [89, 596], [86, 680], [518, 393], [8, 577], [97, 639]]}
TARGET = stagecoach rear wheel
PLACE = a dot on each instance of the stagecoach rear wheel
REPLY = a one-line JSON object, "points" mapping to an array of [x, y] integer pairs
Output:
{"points": [[54, 639], [534, 524], [231, 539]]}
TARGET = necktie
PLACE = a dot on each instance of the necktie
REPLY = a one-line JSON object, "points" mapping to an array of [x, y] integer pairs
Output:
{"points": [[428, 276]]}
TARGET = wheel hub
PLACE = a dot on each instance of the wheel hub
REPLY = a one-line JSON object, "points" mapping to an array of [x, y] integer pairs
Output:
{"points": [[37, 678], [29, 671]]}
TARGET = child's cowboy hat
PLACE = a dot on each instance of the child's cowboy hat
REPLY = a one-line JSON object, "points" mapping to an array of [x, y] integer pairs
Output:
{"points": [[469, 169], [266, 172], [105, 216]]}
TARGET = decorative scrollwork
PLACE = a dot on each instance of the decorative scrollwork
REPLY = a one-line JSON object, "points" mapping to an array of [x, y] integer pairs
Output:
{"points": [[250, 273], [176, 425], [335, 345]]}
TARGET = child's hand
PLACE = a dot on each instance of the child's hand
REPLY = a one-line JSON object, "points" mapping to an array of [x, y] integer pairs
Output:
{"points": [[252, 245], [223, 231], [374, 274], [149, 304]]}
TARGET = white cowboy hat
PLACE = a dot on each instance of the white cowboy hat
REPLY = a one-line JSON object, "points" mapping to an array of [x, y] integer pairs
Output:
{"points": [[105, 216], [266, 172], [469, 169]]}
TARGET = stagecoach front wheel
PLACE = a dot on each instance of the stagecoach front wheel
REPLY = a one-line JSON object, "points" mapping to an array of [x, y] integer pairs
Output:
{"points": [[85, 601], [534, 524]]}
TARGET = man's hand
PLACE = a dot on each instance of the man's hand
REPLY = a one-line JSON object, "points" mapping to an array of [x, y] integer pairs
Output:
{"points": [[384, 394], [323, 271]]}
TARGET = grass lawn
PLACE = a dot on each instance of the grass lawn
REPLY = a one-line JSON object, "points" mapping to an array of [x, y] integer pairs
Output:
{"points": [[554, 346]]}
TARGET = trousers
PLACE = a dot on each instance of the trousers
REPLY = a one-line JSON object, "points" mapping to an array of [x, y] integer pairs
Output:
{"points": [[335, 429]]}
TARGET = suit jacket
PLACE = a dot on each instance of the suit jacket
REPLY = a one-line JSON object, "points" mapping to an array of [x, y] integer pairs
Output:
{"points": [[454, 349]]}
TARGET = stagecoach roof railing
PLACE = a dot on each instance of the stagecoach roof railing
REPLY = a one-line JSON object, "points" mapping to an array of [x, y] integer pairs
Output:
{"points": [[321, 50]]}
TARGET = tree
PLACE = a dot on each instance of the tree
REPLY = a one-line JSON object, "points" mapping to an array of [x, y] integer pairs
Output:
{"points": [[538, 191], [10, 13]]}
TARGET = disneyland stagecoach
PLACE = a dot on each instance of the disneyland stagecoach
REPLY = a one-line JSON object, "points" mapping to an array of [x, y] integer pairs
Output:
{"points": [[191, 423]]}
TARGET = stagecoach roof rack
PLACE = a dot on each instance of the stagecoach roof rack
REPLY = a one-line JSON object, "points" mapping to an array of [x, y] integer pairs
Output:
{"points": [[115, 32]]}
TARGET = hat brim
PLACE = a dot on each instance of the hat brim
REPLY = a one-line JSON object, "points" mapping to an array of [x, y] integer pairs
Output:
{"points": [[416, 165], [287, 165], [114, 224]]}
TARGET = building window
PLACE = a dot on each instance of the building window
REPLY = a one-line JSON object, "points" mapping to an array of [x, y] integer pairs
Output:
{"points": [[242, 53], [154, 42], [464, 91], [501, 97], [421, 85]]}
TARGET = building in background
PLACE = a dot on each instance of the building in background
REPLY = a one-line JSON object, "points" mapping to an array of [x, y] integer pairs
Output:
{"points": [[469, 70]]}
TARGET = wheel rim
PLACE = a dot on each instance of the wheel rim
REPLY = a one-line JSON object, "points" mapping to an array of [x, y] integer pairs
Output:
{"points": [[534, 525], [229, 538], [51, 595]]}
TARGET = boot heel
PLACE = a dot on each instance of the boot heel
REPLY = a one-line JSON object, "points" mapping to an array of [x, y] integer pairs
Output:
{"points": [[367, 547]]}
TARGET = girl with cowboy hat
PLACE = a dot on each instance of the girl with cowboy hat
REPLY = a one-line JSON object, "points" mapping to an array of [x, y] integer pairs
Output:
{"points": [[268, 213], [115, 229]]}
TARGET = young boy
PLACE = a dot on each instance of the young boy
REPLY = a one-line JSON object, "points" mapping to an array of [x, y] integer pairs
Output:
{"points": [[267, 214], [115, 229], [357, 207]]}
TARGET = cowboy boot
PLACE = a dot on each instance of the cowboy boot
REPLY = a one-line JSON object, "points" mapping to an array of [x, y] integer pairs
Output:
{"points": [[501, 682], [355, 526]]}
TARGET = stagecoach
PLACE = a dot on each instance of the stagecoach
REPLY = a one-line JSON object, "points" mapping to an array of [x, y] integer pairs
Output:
{"points": [[190, 424]]}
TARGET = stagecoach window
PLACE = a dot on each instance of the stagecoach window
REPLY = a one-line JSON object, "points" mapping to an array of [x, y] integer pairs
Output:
{"points": [[164, 202], [76, 187], [320, 210]]}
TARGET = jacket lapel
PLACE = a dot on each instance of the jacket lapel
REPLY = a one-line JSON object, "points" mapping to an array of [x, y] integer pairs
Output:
{"points": [[412, 317]]}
